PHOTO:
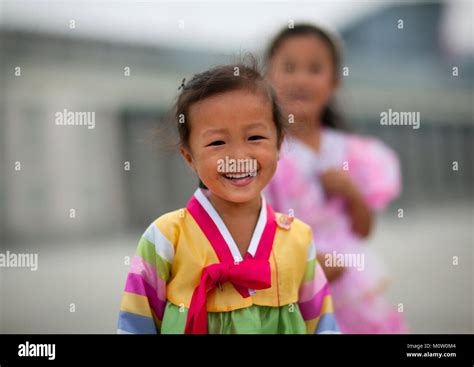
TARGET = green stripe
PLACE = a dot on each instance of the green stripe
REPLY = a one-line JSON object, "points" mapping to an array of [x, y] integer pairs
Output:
{"points": [[163, 268], [146, 250], [251, 320], [310, 269]]}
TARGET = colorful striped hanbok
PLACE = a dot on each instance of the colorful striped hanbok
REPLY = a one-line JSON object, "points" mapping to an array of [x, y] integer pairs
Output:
{"points": [[188, 276]]}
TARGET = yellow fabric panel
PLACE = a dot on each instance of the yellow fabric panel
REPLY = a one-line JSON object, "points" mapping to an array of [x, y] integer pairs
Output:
{"points": [[169, 225], [327, 305], [135, 303], [311, 325], [289, 256]]}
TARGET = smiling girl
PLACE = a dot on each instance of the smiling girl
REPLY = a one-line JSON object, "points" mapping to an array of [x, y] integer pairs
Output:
{"points": [[227, 263]]}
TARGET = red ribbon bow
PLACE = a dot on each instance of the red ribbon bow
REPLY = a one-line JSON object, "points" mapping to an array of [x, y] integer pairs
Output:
{"points": [[249, 273]]}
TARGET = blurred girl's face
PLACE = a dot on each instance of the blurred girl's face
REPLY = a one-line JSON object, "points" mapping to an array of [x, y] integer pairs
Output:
{"points": [[302, 73], [233, 144]]}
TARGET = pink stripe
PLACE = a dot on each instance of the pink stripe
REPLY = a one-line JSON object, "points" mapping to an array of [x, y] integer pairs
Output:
{"points": [[268, 236], [312, 308], [217, 241], [210, 230], [307, 291], [148, 272], [137, 285], [310, 288], [207, 225]]}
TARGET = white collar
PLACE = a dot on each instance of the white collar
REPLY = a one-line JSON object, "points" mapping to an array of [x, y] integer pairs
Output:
{"points": [[257, 233], [331, 153]]}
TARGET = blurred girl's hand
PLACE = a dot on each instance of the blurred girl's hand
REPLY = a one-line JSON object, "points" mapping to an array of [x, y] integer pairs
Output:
{"points": [[332, 272], [338, 182]]}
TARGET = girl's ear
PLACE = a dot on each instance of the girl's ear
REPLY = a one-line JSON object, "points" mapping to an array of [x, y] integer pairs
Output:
{"points": [[187, 156]]}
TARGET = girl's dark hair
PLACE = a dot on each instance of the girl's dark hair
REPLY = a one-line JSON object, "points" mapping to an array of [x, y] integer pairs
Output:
{"points": [[331, 116], [225, 78]]}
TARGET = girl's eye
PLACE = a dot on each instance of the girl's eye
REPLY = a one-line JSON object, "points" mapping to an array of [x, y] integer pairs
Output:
{"points": [[215, 143], [256, 137]]}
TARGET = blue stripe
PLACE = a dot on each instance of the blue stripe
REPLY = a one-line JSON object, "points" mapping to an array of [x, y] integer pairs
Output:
{"points": [[136, 324], [327, 322]]}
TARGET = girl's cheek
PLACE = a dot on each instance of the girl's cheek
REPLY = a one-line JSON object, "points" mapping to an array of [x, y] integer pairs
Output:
{"points": [[204, 165], [269, 158], [324, 82], [211, 166], [283, 82]]}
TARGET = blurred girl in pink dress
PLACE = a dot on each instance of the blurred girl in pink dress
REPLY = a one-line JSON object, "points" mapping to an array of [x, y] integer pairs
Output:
{"points": [[332, 180]]}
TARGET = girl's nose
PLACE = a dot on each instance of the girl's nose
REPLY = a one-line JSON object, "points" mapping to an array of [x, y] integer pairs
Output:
{"points": [[301, 78], [240, 152]]}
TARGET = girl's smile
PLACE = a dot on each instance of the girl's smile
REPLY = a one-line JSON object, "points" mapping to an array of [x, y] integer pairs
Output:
{"points": [[240, 179]]}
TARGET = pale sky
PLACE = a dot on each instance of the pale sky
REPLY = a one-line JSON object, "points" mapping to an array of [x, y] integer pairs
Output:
{"points": [[212, 25]]}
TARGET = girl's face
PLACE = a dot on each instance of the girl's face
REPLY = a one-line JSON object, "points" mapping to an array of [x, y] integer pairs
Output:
{"points": [[302, 73], [235, 126]]}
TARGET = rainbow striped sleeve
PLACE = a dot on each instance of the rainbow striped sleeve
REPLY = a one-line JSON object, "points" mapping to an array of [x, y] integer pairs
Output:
{"points": [[144, 298], [314, 300]]}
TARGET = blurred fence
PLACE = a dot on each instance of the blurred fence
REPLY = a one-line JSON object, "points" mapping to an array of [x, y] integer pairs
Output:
{"points": [[428, 159]]}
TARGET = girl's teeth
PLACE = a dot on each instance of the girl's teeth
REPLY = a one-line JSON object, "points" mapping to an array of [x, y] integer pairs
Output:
{"points": [[236, 176], [239, 176]]}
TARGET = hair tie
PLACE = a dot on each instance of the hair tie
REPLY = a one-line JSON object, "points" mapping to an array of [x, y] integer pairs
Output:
{"points": [[182, 84]]}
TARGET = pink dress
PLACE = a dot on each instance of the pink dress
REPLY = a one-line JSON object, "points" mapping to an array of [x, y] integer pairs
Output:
{"points": [[358, 303]]}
